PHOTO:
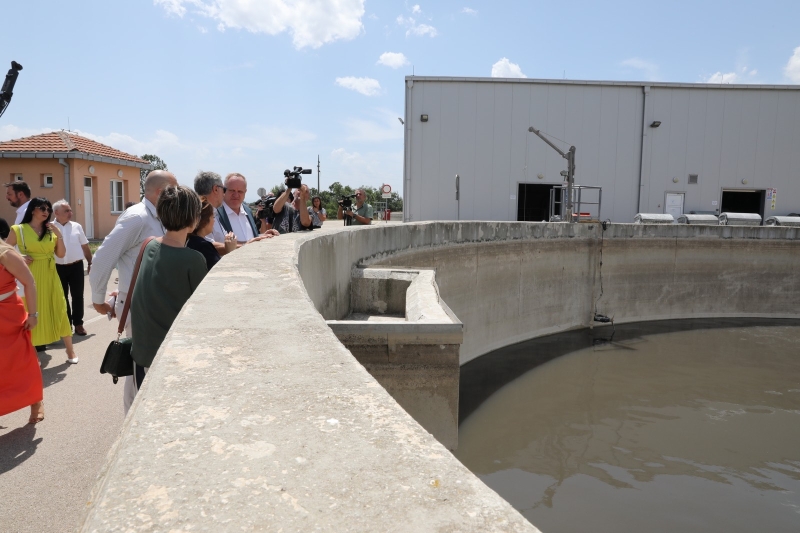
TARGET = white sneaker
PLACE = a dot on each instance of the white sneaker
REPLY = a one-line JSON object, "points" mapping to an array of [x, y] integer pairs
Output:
{"points": [[73, 361]]}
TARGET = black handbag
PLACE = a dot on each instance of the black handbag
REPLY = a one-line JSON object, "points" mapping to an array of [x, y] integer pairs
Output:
{"points": [[118, 361]]}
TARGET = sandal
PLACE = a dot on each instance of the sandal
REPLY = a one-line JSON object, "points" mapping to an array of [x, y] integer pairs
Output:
{"points": [[37, 413]]}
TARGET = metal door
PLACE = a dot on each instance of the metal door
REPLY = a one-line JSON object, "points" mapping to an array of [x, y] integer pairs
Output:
{"points": [[674, 204]]}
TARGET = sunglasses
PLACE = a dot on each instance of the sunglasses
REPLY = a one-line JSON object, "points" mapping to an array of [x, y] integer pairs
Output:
{"points": [[43, 208], [224, 188]]}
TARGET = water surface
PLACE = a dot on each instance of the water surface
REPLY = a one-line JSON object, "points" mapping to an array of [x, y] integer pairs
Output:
{"points": [[665, 428]]}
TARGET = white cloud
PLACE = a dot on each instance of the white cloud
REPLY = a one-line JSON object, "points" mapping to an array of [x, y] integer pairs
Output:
{"points": [[469, 11], [172, 7], [416, 9], [369, 168], [312, 23], [365, 86], [647, 68], [416, 29], [393, 59], [506, 69], [10, 131], [384, 127], [792, 68], [740, 75]]}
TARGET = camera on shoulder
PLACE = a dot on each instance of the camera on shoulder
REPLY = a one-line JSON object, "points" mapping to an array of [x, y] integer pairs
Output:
{"points": [[293, 179]]}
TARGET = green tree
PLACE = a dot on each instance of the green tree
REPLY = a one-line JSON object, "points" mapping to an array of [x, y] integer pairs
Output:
{"points": [[156, 163]]}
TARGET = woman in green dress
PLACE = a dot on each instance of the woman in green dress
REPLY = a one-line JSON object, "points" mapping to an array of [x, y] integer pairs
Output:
{"points": [[38, 240]]}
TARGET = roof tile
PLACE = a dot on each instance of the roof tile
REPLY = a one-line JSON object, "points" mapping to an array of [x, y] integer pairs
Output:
{"points": [[64, 141]]}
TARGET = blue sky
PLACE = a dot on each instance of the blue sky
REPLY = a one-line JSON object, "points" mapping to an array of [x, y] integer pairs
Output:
{"points": [[256, 86]]}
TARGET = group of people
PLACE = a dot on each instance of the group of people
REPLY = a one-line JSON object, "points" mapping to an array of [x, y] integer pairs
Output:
{"points": [[41, 262], [180, 234]]}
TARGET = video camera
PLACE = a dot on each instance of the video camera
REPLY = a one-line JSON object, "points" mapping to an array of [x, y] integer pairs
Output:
{"points": [[293, 180], [346, 201], [264, 208], [8, 86]]}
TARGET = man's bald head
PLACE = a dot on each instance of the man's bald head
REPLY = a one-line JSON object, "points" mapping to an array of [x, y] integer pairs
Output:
{"points": [[155, 182]]}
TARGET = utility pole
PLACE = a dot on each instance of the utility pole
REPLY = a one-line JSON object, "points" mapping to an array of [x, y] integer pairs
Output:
{"points": [[570, 173], [318, 192]]}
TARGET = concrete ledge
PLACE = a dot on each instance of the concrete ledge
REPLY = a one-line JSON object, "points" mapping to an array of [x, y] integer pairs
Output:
{"points": [[254, 417]]}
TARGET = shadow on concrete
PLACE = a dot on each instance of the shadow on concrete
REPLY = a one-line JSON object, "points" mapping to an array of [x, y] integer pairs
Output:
{"points": [[485, 375], [17, 447], [52, 375]]}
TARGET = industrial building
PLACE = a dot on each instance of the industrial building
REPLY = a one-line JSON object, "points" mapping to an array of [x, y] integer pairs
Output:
{"points": [[649, 147]]}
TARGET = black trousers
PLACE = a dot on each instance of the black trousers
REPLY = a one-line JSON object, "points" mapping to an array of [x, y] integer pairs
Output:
{"points": [[72, 282]]}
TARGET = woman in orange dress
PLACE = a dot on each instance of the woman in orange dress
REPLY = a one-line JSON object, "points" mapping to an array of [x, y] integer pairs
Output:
{"points": [[20, 375]]}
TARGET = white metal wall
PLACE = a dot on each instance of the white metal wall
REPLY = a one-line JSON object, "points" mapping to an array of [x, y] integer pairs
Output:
{"points": [[478, 129]]}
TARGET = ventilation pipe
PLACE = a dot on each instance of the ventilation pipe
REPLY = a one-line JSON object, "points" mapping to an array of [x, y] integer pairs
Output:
{"points": [[66, 180]]}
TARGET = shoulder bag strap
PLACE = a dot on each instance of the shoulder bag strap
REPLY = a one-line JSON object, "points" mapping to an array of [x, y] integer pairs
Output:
{"points": [[21, 238], [127, 306]]}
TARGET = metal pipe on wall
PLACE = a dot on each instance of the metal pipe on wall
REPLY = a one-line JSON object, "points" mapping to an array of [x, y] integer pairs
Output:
{"points": [[645, 92], [66, 180]]}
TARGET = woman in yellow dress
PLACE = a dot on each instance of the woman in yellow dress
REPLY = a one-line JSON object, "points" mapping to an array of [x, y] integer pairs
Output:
{"points": [[38, 239]]}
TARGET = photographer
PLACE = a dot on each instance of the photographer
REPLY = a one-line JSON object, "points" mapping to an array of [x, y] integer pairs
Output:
{"points": [[290, 211], [361, 215]]}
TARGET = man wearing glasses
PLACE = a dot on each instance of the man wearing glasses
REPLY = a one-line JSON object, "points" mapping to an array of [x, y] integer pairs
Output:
{"points": [[361, 215], [209, 185]]}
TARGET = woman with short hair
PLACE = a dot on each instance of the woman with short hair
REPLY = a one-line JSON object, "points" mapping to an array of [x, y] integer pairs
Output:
{"points": [[40, 241], [20, 375], [168, 275]]}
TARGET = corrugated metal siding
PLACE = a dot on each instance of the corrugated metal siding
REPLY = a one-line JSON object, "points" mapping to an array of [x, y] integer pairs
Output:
{"points": [[478, 130]]}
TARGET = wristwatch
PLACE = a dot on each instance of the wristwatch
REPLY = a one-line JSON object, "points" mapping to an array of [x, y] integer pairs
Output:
{"points": [[34, 315]]}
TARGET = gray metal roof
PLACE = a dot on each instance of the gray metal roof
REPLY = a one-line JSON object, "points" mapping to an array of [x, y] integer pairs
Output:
{"points": [[728, 86]]}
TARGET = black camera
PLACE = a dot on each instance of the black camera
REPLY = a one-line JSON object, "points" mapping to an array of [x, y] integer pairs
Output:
{"points": [[8, 86], [346, 201], [293, 180], [264, 208]]}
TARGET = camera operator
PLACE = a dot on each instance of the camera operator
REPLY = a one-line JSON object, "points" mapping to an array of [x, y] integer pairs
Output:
{"points": [[290, 211], [361, 215]]}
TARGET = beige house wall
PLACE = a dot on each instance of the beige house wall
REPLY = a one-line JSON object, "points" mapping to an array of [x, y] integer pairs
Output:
{"points": [[101, 175]]}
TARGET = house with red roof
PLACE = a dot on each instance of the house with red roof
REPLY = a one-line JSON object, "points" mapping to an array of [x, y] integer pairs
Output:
{"points": [[95, 179]]}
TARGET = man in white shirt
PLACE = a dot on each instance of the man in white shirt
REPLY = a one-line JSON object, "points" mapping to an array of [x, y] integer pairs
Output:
{"points": [[70, 267], [234, 215], [18, 194], [121, 246], [121, 249]]}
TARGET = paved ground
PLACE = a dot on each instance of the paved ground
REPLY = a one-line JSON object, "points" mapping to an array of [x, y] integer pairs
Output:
{"points": [[48, 470]]}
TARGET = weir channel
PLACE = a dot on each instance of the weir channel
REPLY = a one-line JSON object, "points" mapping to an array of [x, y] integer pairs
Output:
{"points": [[265, 421]]}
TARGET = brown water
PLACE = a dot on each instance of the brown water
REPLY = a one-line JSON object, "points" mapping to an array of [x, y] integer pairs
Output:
{"points": [[687, 430]]}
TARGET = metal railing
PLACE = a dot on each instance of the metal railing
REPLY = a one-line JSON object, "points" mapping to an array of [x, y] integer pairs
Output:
{"points": [[584, 209]]}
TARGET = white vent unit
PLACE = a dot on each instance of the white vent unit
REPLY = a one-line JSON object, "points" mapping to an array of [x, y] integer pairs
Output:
{"points": [[708, 220], [782, 221], [47, 180], [692, 179], [653, 218], [740, 219]]}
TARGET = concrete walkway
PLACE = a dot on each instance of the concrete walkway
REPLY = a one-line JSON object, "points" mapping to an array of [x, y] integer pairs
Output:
{"points": [[47, 470]]}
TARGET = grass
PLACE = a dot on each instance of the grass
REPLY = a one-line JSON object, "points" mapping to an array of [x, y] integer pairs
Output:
{"points": [[94, 245]]}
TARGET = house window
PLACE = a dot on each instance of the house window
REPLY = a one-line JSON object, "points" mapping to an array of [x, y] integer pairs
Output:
{"points": [[47, 180], [18, 177], [117, 197]]}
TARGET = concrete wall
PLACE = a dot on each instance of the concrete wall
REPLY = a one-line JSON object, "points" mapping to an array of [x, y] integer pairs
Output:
{"points": [[254, 416], [547, 277], [478, 128]]}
